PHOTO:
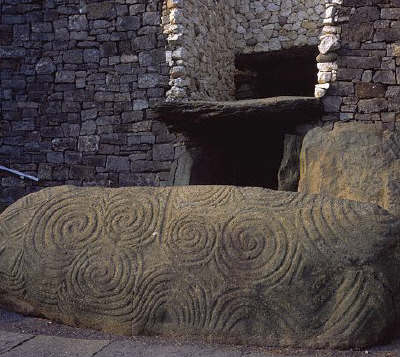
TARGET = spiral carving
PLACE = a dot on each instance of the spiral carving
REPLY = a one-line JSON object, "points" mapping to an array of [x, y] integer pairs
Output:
{"points": [[255, 248], [102, 281], [332, 228], [132, 220], [13, 279], [189, 304], [191, 240], [162, 294], [231, 308], [151, 294], [63, 227], [225, 269]]}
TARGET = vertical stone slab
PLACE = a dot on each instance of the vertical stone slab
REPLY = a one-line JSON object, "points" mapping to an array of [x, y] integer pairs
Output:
{"points": [[353, 161]]}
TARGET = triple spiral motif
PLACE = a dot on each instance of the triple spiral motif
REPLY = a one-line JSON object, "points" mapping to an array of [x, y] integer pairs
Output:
{"points": [[200, 260], [102, 281]]}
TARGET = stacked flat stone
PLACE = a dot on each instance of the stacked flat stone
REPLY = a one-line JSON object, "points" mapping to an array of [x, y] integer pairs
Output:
{"points": [[367, 85], [266, 25], [204, 37], [200, 49], [79, 82], [328, 46]]}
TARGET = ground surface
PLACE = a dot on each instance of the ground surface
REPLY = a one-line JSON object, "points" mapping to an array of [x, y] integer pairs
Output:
{"points": [[25, 337]]}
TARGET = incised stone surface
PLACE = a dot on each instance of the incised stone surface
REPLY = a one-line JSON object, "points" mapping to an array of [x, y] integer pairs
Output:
{"points": [[355, 161], [244, 265]]}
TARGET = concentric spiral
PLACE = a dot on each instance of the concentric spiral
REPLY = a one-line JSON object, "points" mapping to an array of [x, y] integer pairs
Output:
{"points": [[255, 249], [62, 228], [101, 281], [190, 240], [133, 220]]}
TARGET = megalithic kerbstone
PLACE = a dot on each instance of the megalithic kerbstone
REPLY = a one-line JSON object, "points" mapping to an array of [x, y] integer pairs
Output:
{"points": [[241, 265]]}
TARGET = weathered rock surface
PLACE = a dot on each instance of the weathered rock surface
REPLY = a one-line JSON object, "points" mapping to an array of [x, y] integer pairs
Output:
{"points": [[289, 171], [193, 117], [355, 161], [245, 265]]}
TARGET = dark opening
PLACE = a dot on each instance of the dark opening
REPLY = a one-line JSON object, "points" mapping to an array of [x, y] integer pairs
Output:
{"points": [[243, 154], [291, 72], [240, 157]]}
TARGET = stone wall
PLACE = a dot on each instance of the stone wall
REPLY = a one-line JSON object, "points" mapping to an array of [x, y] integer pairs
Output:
{"points": [[200, 49], [205, 35], [79, 80], [265, 25], [359, 63]]}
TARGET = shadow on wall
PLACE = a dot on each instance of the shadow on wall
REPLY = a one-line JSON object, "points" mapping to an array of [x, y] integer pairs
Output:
{"points": [[291, 72]]}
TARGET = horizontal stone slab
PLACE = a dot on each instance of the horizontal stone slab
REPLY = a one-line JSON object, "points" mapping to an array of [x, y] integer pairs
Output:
{"points": [[229, 264], [201, 116]]}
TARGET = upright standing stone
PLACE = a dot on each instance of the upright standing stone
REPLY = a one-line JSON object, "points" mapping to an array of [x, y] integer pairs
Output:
{"points": [[354, 161]]}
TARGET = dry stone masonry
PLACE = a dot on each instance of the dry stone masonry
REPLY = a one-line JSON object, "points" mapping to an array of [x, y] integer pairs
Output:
{"points": [[200, 49], [204, 37], [359, 61], [79, 81], [85, 88], [266, 25]]}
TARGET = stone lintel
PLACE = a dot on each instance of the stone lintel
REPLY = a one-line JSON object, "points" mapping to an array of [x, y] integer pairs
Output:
{"points": [[282, 112]]}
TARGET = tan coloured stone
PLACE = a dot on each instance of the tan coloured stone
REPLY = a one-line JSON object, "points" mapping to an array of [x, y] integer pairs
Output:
{"points": [[354, 161], [243, 265]]}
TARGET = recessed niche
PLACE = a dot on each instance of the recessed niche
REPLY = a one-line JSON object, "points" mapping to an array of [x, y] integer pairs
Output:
{"points": [[291, 72], [235, 143], [240, 158]]}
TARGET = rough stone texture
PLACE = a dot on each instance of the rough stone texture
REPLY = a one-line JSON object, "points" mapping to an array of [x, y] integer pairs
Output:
{"points": [[200, 49], [355, 161], [205, 35], [196, 117], [265, 25], [8, 340], [289, 171], [78, 79], [235, 265], [360, 74]]}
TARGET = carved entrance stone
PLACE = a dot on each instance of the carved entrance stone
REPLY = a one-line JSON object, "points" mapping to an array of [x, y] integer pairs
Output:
{"points": [[244, 265]]}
